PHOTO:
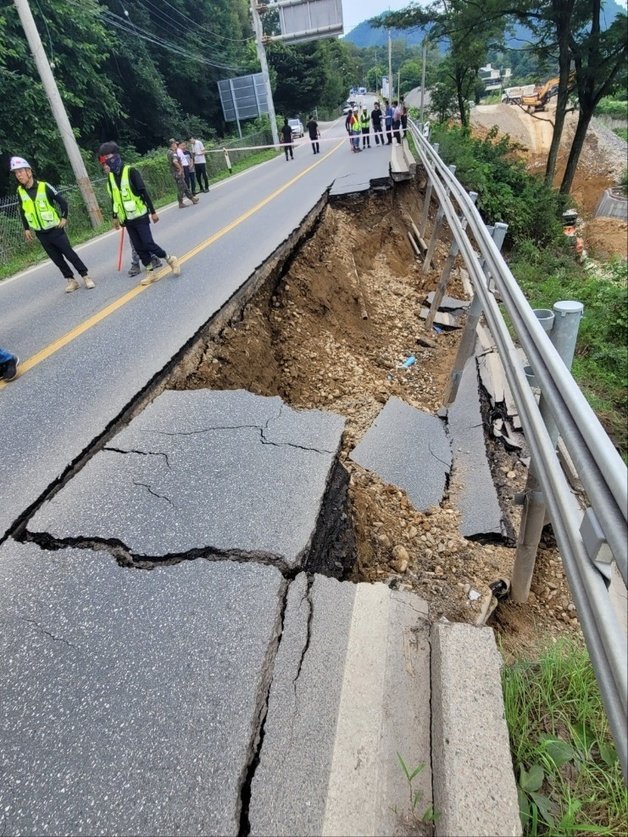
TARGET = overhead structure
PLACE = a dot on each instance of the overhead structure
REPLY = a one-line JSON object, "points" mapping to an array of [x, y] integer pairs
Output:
{"points": [[307, 20], [299, 21]]}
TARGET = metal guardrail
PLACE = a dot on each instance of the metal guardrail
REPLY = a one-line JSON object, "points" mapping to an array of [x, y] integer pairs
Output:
{"points": [[599, 466]]}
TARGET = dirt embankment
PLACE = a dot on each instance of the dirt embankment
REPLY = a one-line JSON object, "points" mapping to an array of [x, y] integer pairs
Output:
{"points": [[602, 162], [308, 341]]}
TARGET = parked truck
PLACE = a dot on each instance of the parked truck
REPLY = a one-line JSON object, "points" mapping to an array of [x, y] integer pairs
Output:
{"points": [[513, 95]]}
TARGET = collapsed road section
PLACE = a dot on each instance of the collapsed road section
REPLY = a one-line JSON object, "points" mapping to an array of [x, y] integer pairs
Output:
{"points": [[179, 629]]}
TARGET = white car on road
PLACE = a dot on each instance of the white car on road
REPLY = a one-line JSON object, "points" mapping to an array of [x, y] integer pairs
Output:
{"points": [[297, 127]]}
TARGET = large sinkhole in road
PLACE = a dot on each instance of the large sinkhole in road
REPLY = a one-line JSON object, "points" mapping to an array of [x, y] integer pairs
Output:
{"points": [[329, 330]]}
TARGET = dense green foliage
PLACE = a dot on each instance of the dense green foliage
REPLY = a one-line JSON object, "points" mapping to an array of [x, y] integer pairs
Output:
{"points": [[147, 72], [600, 364], [569, 777], [506, 192], [545, 266], [616, 106]]}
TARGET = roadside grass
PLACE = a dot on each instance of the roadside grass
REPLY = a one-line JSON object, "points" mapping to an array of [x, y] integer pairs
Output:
{"points": [[568, 773], [622, 132], [79, 229], [601, 361]]}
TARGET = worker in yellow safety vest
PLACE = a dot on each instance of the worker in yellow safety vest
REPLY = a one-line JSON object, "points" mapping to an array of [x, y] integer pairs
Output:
{"points": [[365, 124], [44, 211], [133, 208], [354, 126]]}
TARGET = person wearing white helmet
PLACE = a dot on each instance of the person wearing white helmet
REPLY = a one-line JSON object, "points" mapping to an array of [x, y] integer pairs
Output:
{"points": [[44, 211]]}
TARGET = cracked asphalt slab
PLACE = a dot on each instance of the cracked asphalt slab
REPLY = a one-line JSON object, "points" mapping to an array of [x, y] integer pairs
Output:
{"points": [[408, 448], [223, 473], [131, 700], [472, 486]]}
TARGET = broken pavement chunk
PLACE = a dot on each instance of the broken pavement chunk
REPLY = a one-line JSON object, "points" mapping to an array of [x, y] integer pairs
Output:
{"points": [[408, 448]]}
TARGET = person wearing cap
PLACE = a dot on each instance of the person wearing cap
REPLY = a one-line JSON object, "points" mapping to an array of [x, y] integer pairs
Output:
{"points": [[8, 365], [44, 211], [176, 168], [133, 208]]}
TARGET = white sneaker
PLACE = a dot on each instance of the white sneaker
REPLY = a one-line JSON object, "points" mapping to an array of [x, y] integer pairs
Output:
{"points": [[174, 264], [89, 282], [72, 285]]}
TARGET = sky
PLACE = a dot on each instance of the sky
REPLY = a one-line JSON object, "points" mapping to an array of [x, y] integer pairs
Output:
{"points": [[355, 11]]}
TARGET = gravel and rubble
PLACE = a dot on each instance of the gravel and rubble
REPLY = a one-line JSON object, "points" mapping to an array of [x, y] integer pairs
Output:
{"points": [[333, 334]]}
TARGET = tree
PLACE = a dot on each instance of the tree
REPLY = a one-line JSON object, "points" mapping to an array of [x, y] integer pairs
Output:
{"points": [[600, 59], [77, 46], [467, 27]]}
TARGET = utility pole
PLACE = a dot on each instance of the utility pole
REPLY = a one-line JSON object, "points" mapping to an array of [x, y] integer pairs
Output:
{"points": [[391, 81], [58, 111], [423, 81], [261, 54]]}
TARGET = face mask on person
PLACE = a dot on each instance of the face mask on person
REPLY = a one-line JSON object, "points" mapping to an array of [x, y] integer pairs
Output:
{"points": [[115, 163]]}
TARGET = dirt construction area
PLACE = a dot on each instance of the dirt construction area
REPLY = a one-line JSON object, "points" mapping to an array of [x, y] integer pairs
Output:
{"points": [[602, 163], [331, 333]]}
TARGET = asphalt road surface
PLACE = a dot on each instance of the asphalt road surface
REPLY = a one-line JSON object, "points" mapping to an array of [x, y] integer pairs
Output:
{"points": [[86, 355]]}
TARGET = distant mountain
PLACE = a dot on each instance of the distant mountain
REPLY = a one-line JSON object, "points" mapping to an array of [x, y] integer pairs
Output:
{"points": [[364, 35]]}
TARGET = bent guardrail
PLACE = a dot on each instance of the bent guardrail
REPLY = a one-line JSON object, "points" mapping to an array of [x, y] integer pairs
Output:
{"points": [[586, 541]]}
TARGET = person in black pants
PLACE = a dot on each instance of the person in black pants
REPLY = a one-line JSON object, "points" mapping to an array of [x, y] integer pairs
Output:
{"points": [[286, 139], [312, 129], [200, 165], [133, 208], [44, 211], [376, 119]]}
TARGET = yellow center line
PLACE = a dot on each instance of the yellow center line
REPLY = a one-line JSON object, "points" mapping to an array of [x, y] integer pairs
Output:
{"points": [[101, 315]]}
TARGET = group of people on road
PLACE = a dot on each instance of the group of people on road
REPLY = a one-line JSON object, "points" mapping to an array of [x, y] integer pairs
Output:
{"points": [[358, 125], [43, 209], [287, 142]]}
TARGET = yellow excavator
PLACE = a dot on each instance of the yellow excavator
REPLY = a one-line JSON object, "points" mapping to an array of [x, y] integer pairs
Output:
{"points": [[543, 93]]}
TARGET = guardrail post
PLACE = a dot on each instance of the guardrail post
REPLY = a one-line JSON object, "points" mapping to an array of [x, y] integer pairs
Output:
{"points": [[436, 231], [428, 197], [467, 343], [499, 236], [563, 334], [439, 293]]}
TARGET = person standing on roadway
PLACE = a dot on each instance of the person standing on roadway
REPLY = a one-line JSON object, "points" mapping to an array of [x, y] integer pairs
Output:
{"points": [[286, 139], [131, 205], [388, 117], [376, 119], [176, 168], [312, 129], [355, 129], [8, 365], [365, 124], [44, 211], [200, 164]]}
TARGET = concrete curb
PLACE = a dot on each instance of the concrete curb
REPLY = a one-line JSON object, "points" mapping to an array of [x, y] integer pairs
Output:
{"points": [[475, 793]]}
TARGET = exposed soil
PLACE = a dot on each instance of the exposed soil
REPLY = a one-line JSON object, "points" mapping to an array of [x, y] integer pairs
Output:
{"points": [[307, 340], [601, 164]]}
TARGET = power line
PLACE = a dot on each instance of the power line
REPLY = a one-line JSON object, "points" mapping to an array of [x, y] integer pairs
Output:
{"points": [[197, 25], [126, 25]]}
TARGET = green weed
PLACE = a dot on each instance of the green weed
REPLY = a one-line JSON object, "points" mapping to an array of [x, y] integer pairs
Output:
{"points": [[569, 777], [429, 815]]}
